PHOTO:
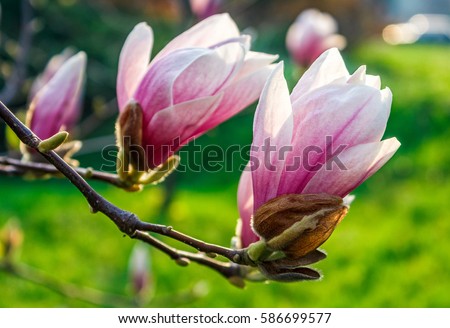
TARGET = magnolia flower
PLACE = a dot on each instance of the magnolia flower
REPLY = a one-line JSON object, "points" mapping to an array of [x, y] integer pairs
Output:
{"points": [[205, 8], [140, 273], [53, 65], [312, 33], [200, 79], [56, 105], [324, 138]]}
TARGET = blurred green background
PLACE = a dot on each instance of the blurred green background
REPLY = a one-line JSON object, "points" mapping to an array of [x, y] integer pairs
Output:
{"points": [[392, 249]]}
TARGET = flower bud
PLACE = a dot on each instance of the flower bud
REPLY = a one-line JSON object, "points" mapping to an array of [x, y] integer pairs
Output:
{"points": [[298, 223], [11, 238], [140, 273], [53, 142], [200, 79]]}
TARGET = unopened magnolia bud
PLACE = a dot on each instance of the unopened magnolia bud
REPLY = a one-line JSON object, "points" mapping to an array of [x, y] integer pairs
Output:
{"points": [[182, 261], [140, 273], [297, 224], [237, 281]]}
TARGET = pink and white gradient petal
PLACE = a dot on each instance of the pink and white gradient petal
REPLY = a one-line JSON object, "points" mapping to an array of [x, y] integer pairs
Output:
{"points": [[57, 104], [359, 163], [206, 33], [245, 205], [178, 123], [273, 123], [133, 61]]}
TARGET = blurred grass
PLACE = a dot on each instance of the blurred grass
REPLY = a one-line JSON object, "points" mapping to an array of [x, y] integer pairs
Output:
{"points": [[392, 250]]}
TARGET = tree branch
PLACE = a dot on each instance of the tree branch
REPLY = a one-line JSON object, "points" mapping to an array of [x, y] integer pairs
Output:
{"points": [[128, 222], [228, 270], [84, 294], [12, 166]]}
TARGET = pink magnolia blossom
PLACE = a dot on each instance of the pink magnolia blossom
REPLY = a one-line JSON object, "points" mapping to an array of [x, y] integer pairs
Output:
{"points": [[205, 8], [200, 79], [56, 105], [325, 136], [53, 65], [311, 34], [140, 272]]}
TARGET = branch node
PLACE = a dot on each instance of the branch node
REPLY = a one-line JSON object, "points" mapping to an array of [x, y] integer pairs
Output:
{"points": [[89, 172], [31, 140], [182, 261], [128, 224], [237, 281]]}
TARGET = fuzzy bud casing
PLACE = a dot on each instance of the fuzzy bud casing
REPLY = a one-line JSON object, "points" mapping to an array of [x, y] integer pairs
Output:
{"points": [[129, 139], [298, 223]]}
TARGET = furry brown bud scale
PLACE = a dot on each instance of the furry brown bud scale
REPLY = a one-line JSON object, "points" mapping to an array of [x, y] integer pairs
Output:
{"points": [[298, 223]]}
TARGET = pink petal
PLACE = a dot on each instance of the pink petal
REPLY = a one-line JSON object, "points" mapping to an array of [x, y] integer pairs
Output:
{"points": [[245, 205], [210, 73], [154, 92], [187, 74], [133, 62], [237, 96], [50, 70], [244, 89], [272, 127], [358, 164], [304, 44], [373, 81], [57, 104], [360, 77], [327, 68], [208, 32], [338, 117], [253, 62], [174, 126], [310, 35]]}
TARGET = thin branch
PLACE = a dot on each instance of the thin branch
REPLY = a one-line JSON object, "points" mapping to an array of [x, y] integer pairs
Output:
{"points": [[228, 270], [128, 222], [231, 254], [12, 166], [16, 167]]}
